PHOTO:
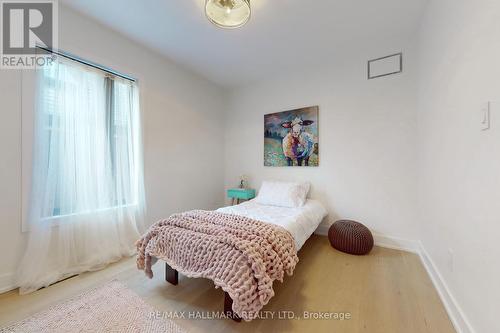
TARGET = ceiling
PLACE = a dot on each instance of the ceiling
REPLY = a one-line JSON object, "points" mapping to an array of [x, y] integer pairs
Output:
{"points": [[281, 35]]}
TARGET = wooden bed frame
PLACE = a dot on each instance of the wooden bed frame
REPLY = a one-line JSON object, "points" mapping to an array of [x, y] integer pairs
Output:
{"points": [[172, 276]]}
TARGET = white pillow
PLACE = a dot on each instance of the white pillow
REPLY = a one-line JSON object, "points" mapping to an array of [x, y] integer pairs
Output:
{"points": [[283, 194]]}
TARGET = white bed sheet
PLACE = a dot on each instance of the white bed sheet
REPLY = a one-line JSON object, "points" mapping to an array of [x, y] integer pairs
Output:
{"points": [[301, 222]]}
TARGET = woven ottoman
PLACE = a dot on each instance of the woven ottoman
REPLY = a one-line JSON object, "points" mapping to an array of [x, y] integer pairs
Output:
{"points": [[350, 237]]}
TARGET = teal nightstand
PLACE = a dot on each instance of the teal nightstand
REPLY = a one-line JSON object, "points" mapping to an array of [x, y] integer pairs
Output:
{"points": [[237, 194]]}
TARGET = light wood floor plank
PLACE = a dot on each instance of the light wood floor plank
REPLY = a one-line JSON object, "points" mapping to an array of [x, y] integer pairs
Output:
{"points": [[386, 291]]}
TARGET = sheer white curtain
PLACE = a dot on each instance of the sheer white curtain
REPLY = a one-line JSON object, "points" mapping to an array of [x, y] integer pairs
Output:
{"points": [[87, 199]]}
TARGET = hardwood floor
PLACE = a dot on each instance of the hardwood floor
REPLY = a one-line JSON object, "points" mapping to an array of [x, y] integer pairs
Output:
{"points": [[387, 291]]}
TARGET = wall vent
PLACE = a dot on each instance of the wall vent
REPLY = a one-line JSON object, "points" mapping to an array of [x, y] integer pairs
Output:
{"points": [[388, 65]]}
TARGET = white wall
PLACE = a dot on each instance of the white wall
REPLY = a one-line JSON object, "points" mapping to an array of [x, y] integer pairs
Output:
{"points": [[459, 164], [367, 138], [369, 141], [182, 122]]}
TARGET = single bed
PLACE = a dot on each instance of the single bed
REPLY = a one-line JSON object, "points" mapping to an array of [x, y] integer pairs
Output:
{"points": [[241, 248], [301, 222]]}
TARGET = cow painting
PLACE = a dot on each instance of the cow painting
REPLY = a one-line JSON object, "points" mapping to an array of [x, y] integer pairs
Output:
{"points": [[291, 138]]}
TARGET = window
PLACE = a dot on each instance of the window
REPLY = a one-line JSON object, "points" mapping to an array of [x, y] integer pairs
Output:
{"points": [[82, 171], [87, 140]]}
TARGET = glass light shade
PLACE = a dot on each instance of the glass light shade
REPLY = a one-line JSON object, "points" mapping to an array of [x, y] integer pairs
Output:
{"points": [[228, 13]]}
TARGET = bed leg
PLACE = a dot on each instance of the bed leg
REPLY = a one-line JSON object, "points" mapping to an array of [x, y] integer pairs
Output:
{"points": [[228, 308], [171, 275]]}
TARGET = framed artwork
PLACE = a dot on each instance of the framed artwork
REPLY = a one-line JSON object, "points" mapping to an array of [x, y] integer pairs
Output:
{"points": [[291, 138]]}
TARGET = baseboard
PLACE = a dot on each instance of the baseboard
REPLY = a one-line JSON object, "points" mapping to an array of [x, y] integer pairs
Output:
{"points": [[322, 230], [396, 243], [457, 316], [7, 282]]}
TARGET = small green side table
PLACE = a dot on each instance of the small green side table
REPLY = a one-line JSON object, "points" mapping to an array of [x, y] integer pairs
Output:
{"points": [[237, 194]]}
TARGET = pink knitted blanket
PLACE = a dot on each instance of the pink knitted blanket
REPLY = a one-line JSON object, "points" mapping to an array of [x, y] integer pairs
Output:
{"points": [[241, 255]]}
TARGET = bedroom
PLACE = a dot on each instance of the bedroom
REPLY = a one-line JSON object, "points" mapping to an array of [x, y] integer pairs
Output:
{"points": [[408, 155]]}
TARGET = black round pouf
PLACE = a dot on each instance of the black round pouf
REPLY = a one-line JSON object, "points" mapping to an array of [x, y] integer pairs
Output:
{"points": [[350, 237]]}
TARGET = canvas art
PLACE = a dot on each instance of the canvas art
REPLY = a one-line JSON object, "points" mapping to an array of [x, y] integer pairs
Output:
{"points": [[291, 138]]}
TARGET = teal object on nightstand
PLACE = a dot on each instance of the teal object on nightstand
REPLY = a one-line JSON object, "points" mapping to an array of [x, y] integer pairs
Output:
{"points": [[237, 194]]}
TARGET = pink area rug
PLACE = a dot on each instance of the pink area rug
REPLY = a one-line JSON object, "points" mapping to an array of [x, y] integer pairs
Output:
{"points": [[109, 308]]}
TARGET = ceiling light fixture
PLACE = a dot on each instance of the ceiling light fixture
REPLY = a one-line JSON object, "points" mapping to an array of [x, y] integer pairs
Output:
{"points": [[228, 13]]}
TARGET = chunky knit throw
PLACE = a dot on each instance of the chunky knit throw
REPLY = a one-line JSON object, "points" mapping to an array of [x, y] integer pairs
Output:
{"points": [[241, 255]]}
